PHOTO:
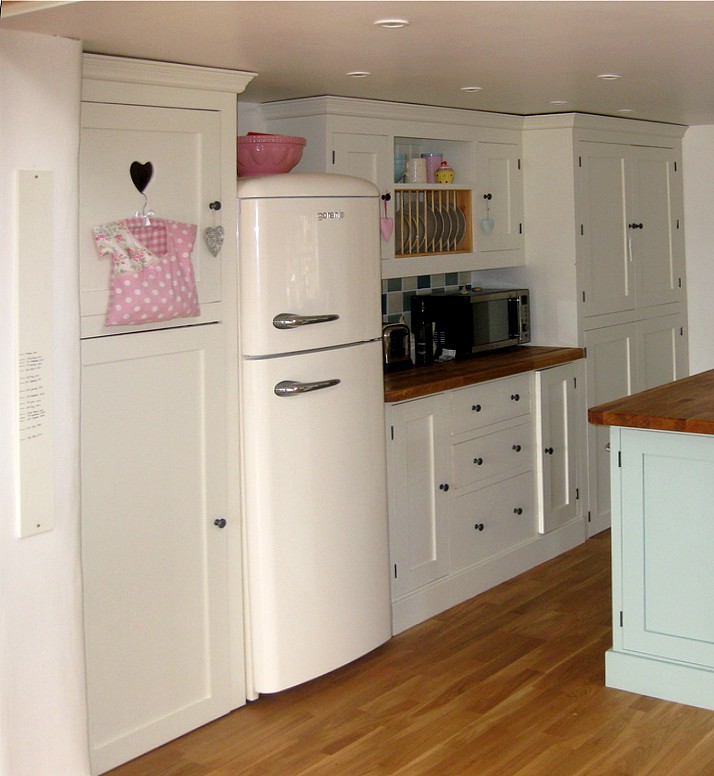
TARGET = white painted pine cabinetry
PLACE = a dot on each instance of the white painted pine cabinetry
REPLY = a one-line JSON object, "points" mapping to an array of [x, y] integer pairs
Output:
{"points": [[468, 489], [161, 546], [360, 137], [605, 259]]}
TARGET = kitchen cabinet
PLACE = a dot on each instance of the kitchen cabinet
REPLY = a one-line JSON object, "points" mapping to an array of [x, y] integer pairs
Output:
{"points": [[560, 421], [360, 137], [463, 509], [154, 554], [161, 534]]}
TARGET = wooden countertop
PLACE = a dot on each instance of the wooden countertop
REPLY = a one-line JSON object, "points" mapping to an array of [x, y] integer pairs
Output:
{"points": [[684, 405], [424, 380]]}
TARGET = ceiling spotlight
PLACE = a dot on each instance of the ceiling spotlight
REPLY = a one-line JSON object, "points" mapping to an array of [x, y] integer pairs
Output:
{"points": [[358, 74], [391, 24], [625, 110], [609, 76], [558, 102], [471, 88]]}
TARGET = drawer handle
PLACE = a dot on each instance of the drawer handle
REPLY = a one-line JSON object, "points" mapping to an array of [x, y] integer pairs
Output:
{"points": [[515, 397], [476, 408], [518, 511], [444, 486], [478, 461], [517, 448], [549, 450], [479, 527]]}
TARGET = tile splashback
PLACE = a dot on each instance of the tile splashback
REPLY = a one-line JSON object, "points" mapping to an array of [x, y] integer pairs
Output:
{"points": [[397, 292]]}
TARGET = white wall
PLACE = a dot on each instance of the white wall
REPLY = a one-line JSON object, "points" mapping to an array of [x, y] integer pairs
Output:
{"points": [[42, 697], [698, 176]]}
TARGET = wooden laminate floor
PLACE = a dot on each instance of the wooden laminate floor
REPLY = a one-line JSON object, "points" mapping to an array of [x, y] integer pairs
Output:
{"points": [[510, 683]]}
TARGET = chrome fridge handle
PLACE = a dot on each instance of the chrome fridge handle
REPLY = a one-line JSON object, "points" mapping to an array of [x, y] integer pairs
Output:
{"points": [[293, 388], [293, 320]]}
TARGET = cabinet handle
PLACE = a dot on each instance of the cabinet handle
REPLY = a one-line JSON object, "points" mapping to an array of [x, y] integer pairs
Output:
{"points": [[515, 397], [487, 196], [479, 527], [635, 226], [549, 450], [478, 461], [476, 408], [220, 522], [517, 448], [215, 206], [518, 511], [444, 486]]}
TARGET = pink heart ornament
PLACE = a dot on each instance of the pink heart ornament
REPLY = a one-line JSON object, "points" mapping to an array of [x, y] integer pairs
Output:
{"points": [[386, 227]]}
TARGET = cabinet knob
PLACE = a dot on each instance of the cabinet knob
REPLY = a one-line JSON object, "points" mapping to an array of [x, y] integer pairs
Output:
{"points": [[216, 206], [518, 511], [549, 450], [635, 226], [478, 527], [517, 448], [476, 408], [515, 397], [478, 461], [220, 522], [444, 486], [487, 196]]}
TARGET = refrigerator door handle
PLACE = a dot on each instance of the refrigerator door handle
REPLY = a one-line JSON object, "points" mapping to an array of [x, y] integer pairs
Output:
{"points": [[293, 388], [293, 320]]}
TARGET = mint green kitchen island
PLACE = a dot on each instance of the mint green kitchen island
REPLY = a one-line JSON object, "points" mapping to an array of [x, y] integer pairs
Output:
{"points": [[662, 466]]}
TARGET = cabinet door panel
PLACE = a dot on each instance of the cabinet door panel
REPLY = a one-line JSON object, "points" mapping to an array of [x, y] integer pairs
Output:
{"points": [[666, 527], [556, 446], [114, 136], [499, 196], [154, 563], [417, 469], [606, 269], [653, 247], [660, 351]]}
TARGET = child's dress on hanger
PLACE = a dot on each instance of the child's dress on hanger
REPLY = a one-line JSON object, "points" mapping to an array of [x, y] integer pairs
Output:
{"points": [[152, 274]]}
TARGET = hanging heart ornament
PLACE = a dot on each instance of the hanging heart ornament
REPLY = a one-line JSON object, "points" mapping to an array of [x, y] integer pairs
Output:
{"points": [[214, 239], [141, 174]]}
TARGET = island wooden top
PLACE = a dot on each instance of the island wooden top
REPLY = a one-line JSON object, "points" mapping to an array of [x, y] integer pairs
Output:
{"points": [[684, 405], [422, 381]]}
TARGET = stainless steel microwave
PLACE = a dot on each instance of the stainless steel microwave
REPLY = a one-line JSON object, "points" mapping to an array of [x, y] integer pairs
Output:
{"points": [[468, 322]]}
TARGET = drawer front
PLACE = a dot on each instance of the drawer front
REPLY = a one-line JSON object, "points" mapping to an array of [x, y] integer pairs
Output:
{"points": [[506, 451], [492, 520], [485, 403]]}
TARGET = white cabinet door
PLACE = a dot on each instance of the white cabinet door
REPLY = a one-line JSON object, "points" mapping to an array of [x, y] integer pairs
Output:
{"points": [[499, 197], [557, 439], [154, 561], [605, 268], [184, 147], [611, 373], [661, 353], [417, 465]]}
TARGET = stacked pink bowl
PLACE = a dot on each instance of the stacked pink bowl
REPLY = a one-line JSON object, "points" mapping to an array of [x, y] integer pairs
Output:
{"points": [[268, 154]]}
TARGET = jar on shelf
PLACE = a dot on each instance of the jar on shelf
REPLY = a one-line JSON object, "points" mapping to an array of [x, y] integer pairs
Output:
{"points": [[444, 174]]}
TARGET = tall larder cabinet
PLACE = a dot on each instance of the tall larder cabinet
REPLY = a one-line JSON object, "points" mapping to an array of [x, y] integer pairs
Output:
{"points": [[160, 509]]}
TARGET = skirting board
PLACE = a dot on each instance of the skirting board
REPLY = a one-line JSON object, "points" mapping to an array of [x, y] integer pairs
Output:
{"points": [[676, 682], [449, 591]]}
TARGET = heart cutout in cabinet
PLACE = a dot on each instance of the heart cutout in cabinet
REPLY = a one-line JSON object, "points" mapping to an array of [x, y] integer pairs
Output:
{"points": [[141, 174]]}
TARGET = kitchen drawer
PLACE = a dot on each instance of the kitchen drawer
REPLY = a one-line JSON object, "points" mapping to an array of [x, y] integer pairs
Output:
{"points": [[491, 520], [506, 451], [486, 403]]}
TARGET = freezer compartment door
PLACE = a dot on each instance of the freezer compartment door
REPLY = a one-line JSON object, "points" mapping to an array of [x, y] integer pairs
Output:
{"points": [[316, 513], [309, 273]]}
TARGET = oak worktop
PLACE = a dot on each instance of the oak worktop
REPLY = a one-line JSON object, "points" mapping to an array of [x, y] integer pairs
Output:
{"points": [[685, 405], [424, 380]]}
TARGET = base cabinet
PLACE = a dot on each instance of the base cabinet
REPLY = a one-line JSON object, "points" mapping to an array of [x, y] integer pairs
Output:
{"points": [[467, 491], [154, 538], [663, 629]]}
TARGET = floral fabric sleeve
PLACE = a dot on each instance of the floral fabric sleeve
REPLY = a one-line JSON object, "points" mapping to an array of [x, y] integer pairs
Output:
{"points": [[116, 241]]}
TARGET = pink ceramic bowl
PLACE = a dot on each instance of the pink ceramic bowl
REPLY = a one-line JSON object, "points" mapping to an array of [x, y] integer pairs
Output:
{"points": [[268, 154]]}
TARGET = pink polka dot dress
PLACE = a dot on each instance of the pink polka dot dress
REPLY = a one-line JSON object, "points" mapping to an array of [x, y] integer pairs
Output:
{"points": [[152, 274]]}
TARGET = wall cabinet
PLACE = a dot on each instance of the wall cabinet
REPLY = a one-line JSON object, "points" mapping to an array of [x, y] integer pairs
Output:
{"points": [[464, 468], [663, 640], [360, 137], [161, 538]]}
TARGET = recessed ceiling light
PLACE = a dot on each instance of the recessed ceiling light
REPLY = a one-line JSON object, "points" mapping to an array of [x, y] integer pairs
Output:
{"points": [[625, 110], [558, 102], [609, 76], [391, 24], [471, 88], [358, 74]]}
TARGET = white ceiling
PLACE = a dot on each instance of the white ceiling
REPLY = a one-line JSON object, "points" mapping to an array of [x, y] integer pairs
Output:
{"points": [[522, 54]]}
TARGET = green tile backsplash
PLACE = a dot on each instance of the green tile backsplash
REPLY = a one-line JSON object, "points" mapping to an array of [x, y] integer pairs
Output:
{"points": [[397, 292]]}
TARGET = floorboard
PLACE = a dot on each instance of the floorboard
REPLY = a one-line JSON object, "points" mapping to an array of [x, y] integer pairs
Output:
{"points": [[510, 683]]}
